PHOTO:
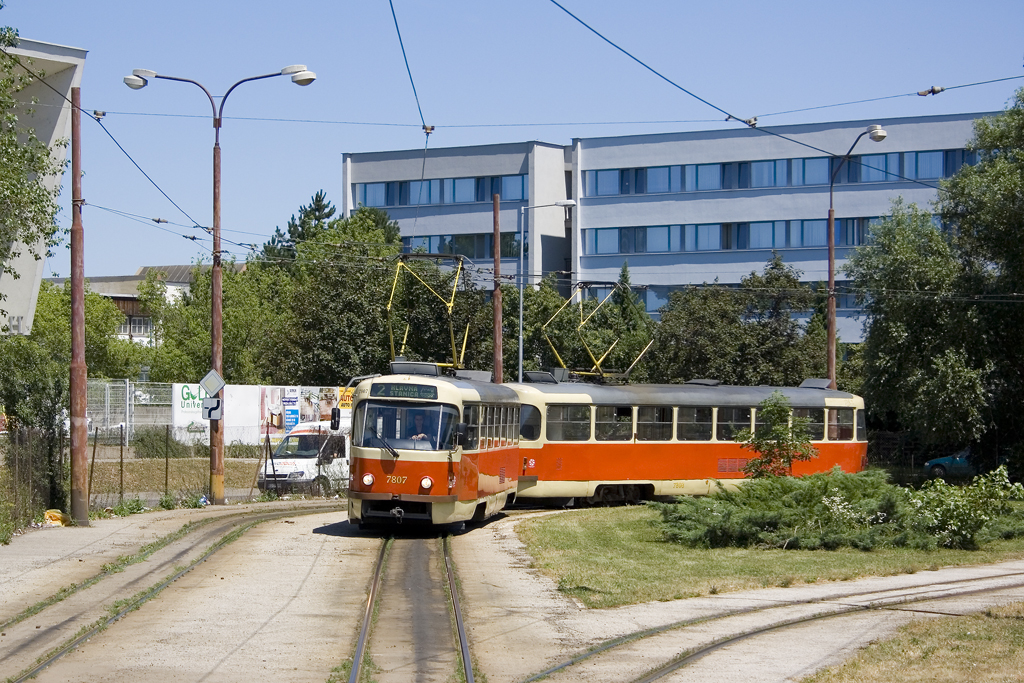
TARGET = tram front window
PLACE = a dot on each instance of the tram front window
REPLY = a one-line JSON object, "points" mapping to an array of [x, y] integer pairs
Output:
{"points": [[408, 426]]}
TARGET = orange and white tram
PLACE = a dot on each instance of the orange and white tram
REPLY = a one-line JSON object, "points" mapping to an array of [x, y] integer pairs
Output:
{"points": [[432, 449], [624, 443]]}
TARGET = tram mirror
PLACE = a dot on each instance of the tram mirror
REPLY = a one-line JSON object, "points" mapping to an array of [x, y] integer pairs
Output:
{"points": [[460, 433], [335, 419]]}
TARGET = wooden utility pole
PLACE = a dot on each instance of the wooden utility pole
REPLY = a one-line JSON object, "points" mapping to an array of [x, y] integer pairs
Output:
{"points": [[497, 295], [79, 373]]}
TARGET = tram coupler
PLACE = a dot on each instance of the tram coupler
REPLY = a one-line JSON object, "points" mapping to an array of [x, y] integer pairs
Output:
{"points": [[398, 513]]}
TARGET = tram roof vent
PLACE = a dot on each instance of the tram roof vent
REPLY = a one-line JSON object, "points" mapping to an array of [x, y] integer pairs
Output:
{"points": [[539, 377], [816, 383], [404, 367], [705, 382], [475, 375]]}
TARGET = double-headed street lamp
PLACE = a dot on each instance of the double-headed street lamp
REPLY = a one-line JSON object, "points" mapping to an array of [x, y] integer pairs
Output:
{"points": [[139, 79], [877, 134], [522, 274]]}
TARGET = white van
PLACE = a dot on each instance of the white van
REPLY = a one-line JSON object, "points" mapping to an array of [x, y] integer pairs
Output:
{"points": [[312, 458]]}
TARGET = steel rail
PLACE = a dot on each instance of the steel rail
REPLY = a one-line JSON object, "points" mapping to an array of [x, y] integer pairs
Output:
{"points": [[909, 594], [467, 662], [147, 594], [371, 602], [693, 655]]}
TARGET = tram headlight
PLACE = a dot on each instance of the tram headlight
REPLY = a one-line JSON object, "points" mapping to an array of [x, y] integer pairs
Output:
{"points": [[367, 479], [426, 483]]}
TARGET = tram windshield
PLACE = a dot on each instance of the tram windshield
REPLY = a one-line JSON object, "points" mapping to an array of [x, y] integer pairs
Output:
{"points": [[408, 426]]}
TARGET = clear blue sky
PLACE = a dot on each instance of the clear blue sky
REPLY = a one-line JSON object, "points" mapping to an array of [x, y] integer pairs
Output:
{"points": [[496, 65]]}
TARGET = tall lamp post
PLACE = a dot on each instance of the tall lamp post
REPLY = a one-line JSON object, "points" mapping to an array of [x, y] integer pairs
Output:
{"points": [[139, 79], [522, 275], [877, 134]]}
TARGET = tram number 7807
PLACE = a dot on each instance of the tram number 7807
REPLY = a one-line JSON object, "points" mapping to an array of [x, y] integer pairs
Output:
{"points": [[396, 480]]}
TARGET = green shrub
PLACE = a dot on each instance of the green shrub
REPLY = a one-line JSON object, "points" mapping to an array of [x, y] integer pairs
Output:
{"points": [[836, 510], [192, 499], [129, 506], [167, 502], [152, 442]]}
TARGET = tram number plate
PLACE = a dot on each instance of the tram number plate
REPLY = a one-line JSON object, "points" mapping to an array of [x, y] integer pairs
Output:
{"points": [[396, 480]]}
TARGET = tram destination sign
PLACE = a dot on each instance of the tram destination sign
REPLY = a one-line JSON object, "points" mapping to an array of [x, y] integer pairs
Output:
{"points": [[395, 390]]}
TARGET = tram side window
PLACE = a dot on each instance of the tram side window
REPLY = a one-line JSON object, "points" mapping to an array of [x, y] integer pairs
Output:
{"points": [[504, 425], [614, 423], [514, 426], [489, 428], [862, 428], [840, 424], [653, 423], [568, 423], [815, 421], [731, 421], [472, 428], [694, 424], [529, 423]]}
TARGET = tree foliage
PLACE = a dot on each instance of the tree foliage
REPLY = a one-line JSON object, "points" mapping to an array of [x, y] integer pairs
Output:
{"points": [[27, 206], [780, 438], [942, 353], [744, 336]]}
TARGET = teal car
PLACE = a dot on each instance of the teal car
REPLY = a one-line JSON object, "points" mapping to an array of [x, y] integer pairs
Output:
{"points": [[958, 465]]}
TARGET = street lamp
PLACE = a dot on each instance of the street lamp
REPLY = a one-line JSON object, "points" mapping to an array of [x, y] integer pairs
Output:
{"points": [[139, 79], [522, 275], [877, 134]]}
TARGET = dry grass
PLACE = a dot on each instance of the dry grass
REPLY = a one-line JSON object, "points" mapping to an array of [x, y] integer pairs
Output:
{"points": [[987, 647], [186, 474], [607, 557]]}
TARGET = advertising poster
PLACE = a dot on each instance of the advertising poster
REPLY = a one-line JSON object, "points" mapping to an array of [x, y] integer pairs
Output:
{"points": [[309, 404], [290, 402], [187, 414], [328, 401], [272, 413]]}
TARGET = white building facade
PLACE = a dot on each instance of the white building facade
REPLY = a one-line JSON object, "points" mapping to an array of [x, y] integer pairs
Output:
{"points": [[680, 208], [50, 117]]}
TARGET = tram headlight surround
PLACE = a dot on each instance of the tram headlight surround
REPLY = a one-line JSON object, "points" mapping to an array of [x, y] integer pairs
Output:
{"points": [[367, 479], [426, 483]]}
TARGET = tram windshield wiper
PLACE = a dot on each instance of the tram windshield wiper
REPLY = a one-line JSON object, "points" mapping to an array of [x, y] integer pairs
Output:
{"points": [[384, 441]]}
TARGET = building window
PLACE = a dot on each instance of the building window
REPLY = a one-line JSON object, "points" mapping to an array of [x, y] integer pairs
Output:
{"points": [[709, 237], [125, 327], [513, 188], [142, 326], [370, 194], [810, 171], [709, 177], [923, 165]]}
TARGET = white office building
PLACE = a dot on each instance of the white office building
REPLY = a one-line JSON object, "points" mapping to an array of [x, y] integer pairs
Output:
{"points": [[681, 208]]}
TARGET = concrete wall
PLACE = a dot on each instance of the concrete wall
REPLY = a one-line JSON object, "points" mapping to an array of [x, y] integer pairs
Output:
{"points": [[51, 120]]}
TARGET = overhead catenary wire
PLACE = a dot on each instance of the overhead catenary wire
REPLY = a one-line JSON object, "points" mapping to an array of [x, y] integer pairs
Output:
{"points": [[109, 134]]}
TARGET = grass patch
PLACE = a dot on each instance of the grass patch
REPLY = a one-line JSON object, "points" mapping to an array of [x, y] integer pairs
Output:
{"points": [[982, 647], [606, 557]]}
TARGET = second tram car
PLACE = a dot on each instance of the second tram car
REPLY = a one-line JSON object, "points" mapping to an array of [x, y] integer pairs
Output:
{"points": [[635, 442], [432, 449]]}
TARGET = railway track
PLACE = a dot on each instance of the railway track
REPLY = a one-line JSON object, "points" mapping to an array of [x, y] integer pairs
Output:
{"points": [[412, 626], [40, 635], [681, 644]]}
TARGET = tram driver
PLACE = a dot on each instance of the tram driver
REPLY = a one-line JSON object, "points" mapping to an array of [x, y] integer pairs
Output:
{"points": [[418, 431]]}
